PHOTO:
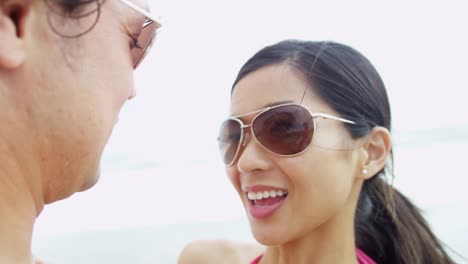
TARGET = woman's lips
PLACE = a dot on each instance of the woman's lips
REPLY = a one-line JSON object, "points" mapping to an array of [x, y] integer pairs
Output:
{"points": [[263, 204]]}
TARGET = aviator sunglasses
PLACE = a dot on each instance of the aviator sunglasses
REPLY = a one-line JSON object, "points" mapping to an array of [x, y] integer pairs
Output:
{"points": [[285, 130], [147, 36]]}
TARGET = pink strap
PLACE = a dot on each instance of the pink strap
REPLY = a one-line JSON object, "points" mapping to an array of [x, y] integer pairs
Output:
{"points": [[361, 257], [257, 260]]}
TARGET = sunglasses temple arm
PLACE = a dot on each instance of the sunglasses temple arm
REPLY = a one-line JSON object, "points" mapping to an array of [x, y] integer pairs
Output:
{"points": [[333, 118], [141, 11]]}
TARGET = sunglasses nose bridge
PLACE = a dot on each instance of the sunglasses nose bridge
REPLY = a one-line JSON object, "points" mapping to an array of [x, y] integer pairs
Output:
{"points": [[246, 136]]}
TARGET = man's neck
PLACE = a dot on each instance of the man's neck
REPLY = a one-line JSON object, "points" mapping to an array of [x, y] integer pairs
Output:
{"points": [[18, 214], [20, 201]]}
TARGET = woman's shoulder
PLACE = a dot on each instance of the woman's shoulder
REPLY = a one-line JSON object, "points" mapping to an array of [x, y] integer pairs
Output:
{"points": [[219, 251]]}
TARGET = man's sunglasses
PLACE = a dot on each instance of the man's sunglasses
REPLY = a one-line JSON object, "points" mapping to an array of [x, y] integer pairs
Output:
{"points": [[147, 36], [286, 130]]}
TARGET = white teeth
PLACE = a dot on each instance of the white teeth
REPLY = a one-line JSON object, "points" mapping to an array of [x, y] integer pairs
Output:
{"points": [[265, 194], [259, 196]]}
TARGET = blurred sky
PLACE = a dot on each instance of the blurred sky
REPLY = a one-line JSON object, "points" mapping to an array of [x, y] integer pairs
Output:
{"points": [[163, 152]]}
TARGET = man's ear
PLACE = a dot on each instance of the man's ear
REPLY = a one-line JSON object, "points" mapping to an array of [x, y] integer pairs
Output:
{"points": [[13, 16], [378, 149]]}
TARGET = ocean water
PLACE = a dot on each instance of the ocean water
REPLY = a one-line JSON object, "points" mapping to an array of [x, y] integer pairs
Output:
{"points": [[143, 211]]}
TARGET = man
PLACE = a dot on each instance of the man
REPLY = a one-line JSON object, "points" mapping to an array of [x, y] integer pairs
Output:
{"points": [[66, 69]]}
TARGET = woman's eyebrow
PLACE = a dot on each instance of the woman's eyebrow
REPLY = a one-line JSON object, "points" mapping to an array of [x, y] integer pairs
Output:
{"points": [[278, 103]]}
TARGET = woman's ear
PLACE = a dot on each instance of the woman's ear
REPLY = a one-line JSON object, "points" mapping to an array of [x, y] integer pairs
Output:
{"points": [[13, 16], [378, 149]]}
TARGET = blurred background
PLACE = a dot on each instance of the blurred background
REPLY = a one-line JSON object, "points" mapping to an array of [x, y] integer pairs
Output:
{"points": [[163, 183]]}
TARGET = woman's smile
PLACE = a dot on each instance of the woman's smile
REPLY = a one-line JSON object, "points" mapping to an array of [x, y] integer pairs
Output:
{"points": [[263, 201]]}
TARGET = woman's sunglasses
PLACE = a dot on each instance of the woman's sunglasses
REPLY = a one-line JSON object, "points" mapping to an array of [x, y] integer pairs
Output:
{"points": [[286, 130], [147, 36]]}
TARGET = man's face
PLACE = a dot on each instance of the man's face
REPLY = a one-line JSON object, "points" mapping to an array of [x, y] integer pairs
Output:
{"points": [[76, 88]]}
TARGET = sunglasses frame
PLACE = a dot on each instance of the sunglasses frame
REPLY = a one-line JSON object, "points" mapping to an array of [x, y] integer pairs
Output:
{"points": [[141, 11], [150, 19], [263, 110]]}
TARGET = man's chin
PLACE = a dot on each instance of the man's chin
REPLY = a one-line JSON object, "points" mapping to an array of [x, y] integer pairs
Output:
{"points": [[90, 182]]}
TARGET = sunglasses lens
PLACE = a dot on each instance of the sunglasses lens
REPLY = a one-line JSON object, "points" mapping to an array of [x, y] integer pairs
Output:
{"points": [[285, 130], [229, 140], [145, 40]]}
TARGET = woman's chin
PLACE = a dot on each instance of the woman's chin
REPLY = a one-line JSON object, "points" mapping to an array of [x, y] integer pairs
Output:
{"points": [[268, 241], [267, 237]]}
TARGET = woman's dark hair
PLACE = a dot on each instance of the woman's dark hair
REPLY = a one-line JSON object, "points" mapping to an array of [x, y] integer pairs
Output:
{"points": [[66, 16], [388, 227]]}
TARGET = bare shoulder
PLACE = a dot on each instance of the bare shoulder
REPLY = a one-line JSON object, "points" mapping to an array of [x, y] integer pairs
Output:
{"points": [[219, 251]]}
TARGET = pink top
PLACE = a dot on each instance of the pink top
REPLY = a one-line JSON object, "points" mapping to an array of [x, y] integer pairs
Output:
{"points": [[361, 257]]}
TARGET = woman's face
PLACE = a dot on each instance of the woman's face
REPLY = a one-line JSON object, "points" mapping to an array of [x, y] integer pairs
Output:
{"points": [[312, 190], [77, 87]]}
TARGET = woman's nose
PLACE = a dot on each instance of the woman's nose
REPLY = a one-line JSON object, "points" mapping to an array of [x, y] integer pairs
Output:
{"points": [[252, 156]]}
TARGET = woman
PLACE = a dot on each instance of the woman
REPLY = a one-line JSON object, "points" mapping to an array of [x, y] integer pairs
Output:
{"points": [[66, 69], [308, 149]]}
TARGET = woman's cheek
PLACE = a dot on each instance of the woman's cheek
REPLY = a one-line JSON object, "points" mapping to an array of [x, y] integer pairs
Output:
{"points": [[233, 177]]}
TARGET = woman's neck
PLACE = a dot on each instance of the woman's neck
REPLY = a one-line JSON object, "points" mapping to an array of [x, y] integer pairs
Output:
{"points": [[332, 242]]}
